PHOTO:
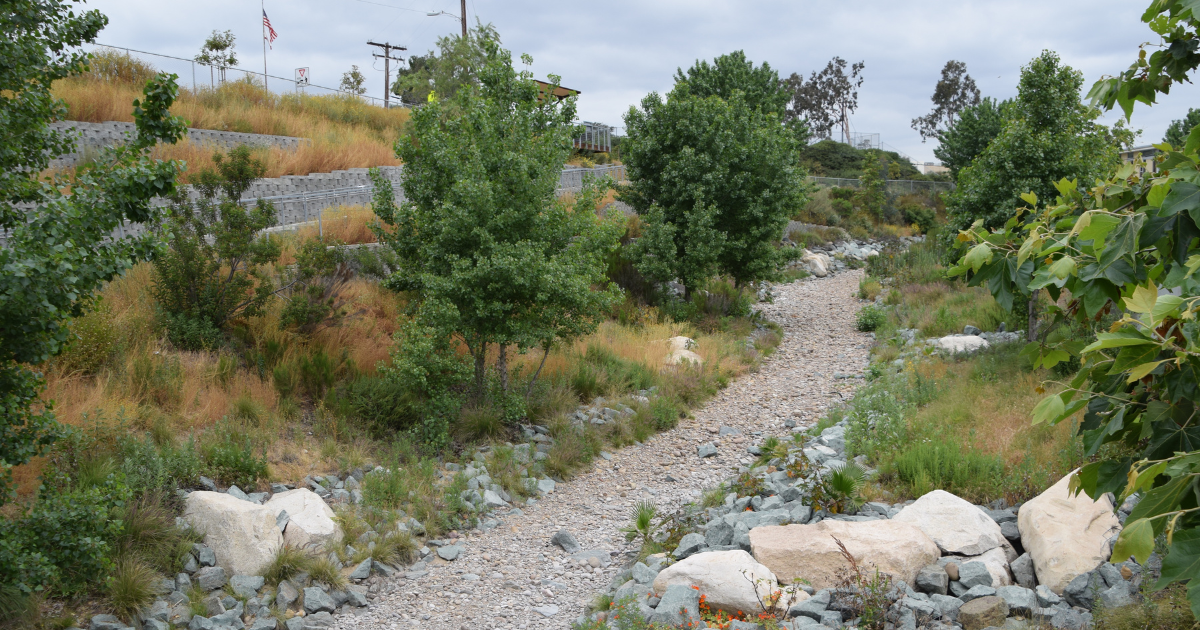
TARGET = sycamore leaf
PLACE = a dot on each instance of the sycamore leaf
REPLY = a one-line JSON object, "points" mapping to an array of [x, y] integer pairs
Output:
{"points": [[1137, 540], [1182, 564], [1157, 194], [979, 255], [1143, 299], [1063, 268], [1165, 305], [1049, 409], [1118, 340], [1029, 198], [1141, 371]]}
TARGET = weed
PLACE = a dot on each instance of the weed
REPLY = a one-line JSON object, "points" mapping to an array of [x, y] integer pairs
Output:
{"points": [[865, 594], [844, 484], [869, 318], [481, 421], [1167, 609], [714, 497], [641, 522], [323, 570], [396, 548], [869, 288], [288, 562]]}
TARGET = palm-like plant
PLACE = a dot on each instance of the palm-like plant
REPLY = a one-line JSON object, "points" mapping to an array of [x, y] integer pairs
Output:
{"points": [[845, 482], [641, 521]]}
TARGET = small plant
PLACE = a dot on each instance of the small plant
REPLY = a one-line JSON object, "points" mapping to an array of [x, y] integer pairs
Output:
{"points": [[870, 318], [865, 594], [748, 485], [714, 497], [131, 586], [868, 288], [289, 561], [844, 484], [323, 570], [641, 522]]}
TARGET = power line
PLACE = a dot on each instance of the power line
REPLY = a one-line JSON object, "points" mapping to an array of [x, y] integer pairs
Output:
{"points": [[387, 71], [390, 6]]}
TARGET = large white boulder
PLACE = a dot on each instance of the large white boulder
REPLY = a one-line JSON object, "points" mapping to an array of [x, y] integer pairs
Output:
{"points": [[817, 264], [727, 579], [956, 526], [809, 552], [681, 351], [310, 521], [242, 534], [1066, 535], [960, 344]]}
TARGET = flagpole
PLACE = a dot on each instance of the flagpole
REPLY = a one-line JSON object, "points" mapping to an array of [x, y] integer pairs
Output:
{"points": [[263, 5]]}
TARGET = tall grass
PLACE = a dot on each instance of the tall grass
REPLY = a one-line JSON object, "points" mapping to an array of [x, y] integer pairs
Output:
{"points": [[345, 132]]}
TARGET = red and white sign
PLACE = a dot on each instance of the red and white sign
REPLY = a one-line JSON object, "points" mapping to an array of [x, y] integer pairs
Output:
{"points": [[301, 76]]}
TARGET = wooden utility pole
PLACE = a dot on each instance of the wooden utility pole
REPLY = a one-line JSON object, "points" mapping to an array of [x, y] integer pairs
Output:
{"points": [[464, 18], [387, 68]]}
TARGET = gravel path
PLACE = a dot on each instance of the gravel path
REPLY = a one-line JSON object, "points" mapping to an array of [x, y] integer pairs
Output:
{"points": [[507, 572]]}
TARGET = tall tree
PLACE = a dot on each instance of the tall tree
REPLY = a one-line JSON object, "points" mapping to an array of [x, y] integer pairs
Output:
{"points": [[456, 63], [1048, 134], [715, 178], [494, 256], [968, 136], [219, 51], [1179, 128], [954, 92], [61, 248], [760, 85], [828, 98]]}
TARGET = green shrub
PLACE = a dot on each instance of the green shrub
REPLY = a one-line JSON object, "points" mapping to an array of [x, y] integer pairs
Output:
{"points": [[317, 373], [233, 461], [934, 465], [923, 217], [601, 372], [130, 587], [148, 466], [481, 422], [287, 563], [383, 404], [869, 318], [94, 341], [188, 332]]}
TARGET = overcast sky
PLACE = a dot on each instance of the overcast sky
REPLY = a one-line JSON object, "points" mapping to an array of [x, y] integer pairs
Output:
{"points": [[617, 51]]}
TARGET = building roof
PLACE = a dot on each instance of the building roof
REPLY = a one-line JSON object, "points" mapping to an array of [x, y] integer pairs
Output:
{"points": [[558, 91]]}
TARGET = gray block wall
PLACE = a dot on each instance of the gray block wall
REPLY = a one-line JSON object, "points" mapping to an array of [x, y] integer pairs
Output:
{"points": [[91, 137]]}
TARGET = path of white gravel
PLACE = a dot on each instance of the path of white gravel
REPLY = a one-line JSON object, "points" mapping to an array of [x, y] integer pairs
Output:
{"points": [[499, 579]]}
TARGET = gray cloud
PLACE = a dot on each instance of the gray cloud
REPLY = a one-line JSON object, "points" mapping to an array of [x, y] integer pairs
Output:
{"points": [[616, 52]]}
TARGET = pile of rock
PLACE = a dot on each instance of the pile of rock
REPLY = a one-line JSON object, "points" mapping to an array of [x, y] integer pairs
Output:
{"points": [[951, 563], [602, 411]]}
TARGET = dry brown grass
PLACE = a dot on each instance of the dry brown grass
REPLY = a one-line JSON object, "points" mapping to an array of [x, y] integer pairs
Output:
{"points": [[344, 132]]}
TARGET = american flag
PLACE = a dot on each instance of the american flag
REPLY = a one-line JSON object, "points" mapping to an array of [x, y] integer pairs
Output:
{"points": [[270, 35]]}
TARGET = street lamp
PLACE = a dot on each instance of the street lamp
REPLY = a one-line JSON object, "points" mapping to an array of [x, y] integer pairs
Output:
{"points": [[462, 17]]}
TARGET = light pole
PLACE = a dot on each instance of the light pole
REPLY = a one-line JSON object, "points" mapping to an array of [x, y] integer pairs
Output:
{"points": [[462, 18]]}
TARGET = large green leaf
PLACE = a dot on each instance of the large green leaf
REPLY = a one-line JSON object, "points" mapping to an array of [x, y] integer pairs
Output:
{"points": [[1131, 356], [1182, 564], [1119, 339], [980, 254], [1161, 500], [1049, 409], [1137, 540], [1184, 196]]}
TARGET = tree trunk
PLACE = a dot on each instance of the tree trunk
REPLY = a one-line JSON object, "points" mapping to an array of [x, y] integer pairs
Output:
{"points": [[529, 390], [1031, 312], [502, 368], [480, 354]]}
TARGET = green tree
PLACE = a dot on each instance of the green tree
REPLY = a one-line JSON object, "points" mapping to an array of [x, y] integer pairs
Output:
{"points": [[1177, 131], [1125, 246], [216, 266], [456, 63], [353, 82], [1047, 135], [968, 136], [219, 51], [734, 72], [491, 253], [715, 179], [61, 248]]}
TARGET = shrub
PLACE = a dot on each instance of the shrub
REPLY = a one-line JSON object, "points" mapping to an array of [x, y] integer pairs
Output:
{"points": [[287, 563], [921, 216], [481, 422], [148, 466], [131, 586], [934, 465], [869, 318], [93, 345], [383, 404], [233, 461]]}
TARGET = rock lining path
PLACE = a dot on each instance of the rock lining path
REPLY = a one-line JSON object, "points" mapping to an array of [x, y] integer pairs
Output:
{"points": [[505, 573]]}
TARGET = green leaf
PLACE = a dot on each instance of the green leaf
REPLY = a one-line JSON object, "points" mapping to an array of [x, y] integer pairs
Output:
{"points": [[1193, 139], [1063, 267], [1165, 305], [1184, 196], [978, 256], [1131, 356], [1142, 370], [1118, 340], [1053, 358], [1098, 227], [1049, 409], [1157, 194], [1161, 500], [1029, 198], [1137, 540], [1183, 563]]}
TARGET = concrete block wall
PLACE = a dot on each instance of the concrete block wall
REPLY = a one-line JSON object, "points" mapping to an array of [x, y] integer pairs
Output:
{"points": [[94, 136]]}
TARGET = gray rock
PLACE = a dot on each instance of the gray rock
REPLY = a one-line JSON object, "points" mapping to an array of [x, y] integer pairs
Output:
{"points": [[492, 499], [228, 619], [295, 623], [948, 606], [363, 570], [720, 532], [209, 578], [800, 514], [1066, 619], [183, 582], [741, 536], [688, 545], [237, 493], [106, 622], [974, 573], [190, 565], [1010, 531], [155, 624], [264, 623], [594, 557], [744, 625], [213, 606], [157, 610], [811, 607], [356, 595], [565, 541], [1082, 590], [921, 607], [1110, 573], [975, 592], [831, 619], [679, 606], [1021, 601], [318, 621], [1046, 597], [546, 486], [1118, 595], [643, 574], [208, 484], [281, 519], [451, 552], [317, 600], [933, 579], [245, 585], [200, 623], [286, 595], [708, 449], [1023, 572], [547, 611], [971, 330]]}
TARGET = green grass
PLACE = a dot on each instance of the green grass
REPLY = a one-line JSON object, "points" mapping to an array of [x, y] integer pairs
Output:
{"points": [[130, 587], [1167, 609]]}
